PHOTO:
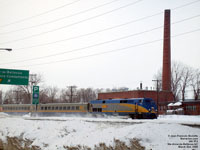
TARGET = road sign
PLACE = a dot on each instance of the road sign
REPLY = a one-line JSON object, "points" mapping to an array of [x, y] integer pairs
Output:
{"points": [[35, 95], [14, 77]]}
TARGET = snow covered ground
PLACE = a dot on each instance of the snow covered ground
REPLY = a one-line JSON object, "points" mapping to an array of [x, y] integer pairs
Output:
{"points": [[52, 133]]}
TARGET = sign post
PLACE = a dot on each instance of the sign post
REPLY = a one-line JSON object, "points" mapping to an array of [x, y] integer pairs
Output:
{"points": [[35, 95], [14, 77]]}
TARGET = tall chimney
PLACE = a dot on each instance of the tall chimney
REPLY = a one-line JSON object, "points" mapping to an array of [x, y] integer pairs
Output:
{"points": [[166, 74]]}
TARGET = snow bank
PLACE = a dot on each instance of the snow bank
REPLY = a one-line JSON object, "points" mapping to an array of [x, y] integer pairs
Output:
{"points": [[3, 115], [182, 119], [52, 133]]}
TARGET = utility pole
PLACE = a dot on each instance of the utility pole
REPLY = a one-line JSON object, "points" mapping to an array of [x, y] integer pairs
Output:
{"points": [[157, 83], [71, 92], [1, 98]]}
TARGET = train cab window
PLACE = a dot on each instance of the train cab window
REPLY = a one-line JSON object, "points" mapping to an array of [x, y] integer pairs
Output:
{"points": [[104, 102], [123, 101], [140, 101], [77, 107]]}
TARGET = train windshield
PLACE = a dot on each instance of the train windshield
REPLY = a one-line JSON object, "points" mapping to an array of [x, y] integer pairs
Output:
{"points": [[149, 101]]}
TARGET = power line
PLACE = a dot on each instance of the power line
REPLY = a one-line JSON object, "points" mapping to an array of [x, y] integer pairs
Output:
{"points": [[102, 30], [43, 13], [187, 4], [90, 19], [90, 46], [58, 19], [111, 51], [91, 33], [34, 35], [81, 12], [94, 45]]}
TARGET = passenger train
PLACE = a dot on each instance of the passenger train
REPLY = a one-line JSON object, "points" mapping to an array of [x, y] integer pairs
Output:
{"points": [[141, 108]]}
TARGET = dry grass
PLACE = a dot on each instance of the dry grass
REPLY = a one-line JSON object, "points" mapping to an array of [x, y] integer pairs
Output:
{"points": [[118, 145], [14, 143]]}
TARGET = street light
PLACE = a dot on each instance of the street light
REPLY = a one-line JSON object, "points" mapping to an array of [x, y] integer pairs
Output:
{"points": [[6, 49]]}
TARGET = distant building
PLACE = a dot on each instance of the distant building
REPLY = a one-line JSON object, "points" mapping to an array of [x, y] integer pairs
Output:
{"points": [[191, 107]]}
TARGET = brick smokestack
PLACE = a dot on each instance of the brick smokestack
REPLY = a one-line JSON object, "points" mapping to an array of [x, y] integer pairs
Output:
{"points": [[166, 74]]}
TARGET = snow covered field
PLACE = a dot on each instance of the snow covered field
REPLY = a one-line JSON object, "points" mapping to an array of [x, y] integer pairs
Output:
{"points": [[52, 133]]}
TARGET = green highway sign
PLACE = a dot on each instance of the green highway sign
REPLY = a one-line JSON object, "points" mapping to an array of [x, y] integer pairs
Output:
{"points": [[35, 95], [14, 77]]}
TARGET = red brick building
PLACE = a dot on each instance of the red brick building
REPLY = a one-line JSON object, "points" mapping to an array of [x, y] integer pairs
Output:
{"points": [[164, 98], [191, 107]]}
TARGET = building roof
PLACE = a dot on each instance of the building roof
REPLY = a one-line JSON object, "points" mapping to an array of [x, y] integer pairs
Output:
{"points": [[175, 104]]}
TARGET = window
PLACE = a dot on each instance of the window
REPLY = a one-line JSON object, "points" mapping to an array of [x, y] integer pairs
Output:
{"points": [[49, 108], [56, 107], [77, 107], [73, 108], [68, 108], [97, 109], [45, 108], [42, 108], [64, 108], [94, 109], [60, 108], [123, 101]]}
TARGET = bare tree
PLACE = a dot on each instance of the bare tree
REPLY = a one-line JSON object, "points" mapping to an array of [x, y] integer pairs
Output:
{"points": [[195, 83], [185, 80], [180, 80], [52, 93], [85, 95], [43, 98], [176, 76], [8, 97], [64, 96], [27, 89]]}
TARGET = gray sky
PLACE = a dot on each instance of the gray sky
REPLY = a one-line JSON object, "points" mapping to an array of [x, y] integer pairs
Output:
{"points": [[96, 43]]}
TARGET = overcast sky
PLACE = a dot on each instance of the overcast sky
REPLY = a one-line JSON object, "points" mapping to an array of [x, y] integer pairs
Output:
{"points": [[96, 43]]}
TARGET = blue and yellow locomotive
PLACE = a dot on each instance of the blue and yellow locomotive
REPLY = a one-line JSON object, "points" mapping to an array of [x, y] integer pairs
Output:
{"points": [[142, 108]]}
